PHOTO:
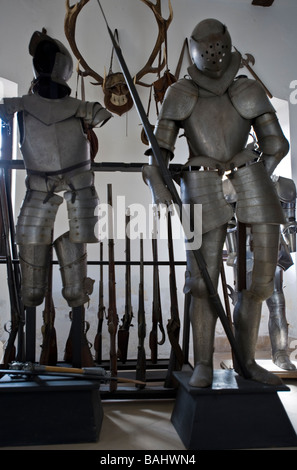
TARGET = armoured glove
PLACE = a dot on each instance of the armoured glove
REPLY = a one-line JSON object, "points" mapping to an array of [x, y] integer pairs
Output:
{"points": [[153, 178]]}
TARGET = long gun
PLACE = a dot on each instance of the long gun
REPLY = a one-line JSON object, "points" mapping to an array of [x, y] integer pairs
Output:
{"points": [[156, 305], [199, 258], [112, 317], [141, 359], [16, 315], [101, 313], [49, 352], [123, 333], [173, 326]]}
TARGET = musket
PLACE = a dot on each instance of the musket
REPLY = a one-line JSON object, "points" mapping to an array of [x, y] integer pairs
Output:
{"points": [[199, 258], [156, 305], [173, 326], [123, 333], [16, 308], [112, 317], [101, 313], [49, 350], [141, 358]]}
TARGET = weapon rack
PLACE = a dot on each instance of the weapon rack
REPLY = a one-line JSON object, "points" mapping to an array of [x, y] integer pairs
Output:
{"points": [[155, 373]]}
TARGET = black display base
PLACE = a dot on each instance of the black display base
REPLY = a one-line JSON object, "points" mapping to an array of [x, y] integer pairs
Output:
{"points": [[232, 414], [49, 410]]}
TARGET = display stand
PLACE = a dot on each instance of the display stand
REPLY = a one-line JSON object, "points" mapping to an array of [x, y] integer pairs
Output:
{"points": [[234, 413], [49, 410]]}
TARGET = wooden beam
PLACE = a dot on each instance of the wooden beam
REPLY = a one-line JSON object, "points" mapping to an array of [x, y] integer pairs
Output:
{"points": [[262, 3]]}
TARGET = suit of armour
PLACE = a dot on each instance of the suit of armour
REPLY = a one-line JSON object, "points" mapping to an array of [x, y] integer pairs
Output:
{"points": [[216, 110]]}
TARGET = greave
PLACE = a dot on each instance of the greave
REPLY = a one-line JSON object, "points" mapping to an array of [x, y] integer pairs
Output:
{"points": [[72, 258], [247, 315], [34, 260], [278, 331], [203, 322]]}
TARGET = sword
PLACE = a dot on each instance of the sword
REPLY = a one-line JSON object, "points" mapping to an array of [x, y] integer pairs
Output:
{"points": [[213, 295]]}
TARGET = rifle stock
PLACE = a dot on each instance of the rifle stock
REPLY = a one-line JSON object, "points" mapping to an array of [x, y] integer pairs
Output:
{"points": [[141, 358], [101, 312], [78, 337], [123, 333], [112, 310]]}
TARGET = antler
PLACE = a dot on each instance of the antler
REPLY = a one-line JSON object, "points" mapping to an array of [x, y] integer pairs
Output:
{"points": [[69, 28], [163, 26]]}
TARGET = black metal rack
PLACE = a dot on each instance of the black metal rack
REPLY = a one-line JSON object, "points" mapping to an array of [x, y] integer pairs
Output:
{"points": [[156, 373]]}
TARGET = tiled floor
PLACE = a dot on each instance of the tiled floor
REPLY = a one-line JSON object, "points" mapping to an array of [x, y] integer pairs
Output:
{"points": [[146, 425]]}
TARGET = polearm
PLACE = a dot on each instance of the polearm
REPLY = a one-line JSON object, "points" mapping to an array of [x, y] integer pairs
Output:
{"points": [[19, 369], [213, 295]]}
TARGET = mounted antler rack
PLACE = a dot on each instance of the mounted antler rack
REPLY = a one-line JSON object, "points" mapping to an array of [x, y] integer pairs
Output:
{"points": [[117, 97]]}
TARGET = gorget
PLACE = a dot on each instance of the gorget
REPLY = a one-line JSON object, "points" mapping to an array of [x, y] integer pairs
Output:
{"points": [[217, 86]]}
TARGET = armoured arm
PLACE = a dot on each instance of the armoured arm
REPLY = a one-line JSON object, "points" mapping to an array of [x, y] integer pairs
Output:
{"points": [[286, 191], [272, 143], [178, 104], [166, 132], [93, 114], [9, 107], [152, 177], [252, 103]]}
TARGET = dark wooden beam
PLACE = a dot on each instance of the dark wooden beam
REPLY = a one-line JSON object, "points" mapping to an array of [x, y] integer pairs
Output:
{"points": [[262, 3]]}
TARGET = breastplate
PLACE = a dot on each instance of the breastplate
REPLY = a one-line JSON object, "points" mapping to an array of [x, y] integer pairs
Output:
{"points": [[215, 129], [53, 141]]}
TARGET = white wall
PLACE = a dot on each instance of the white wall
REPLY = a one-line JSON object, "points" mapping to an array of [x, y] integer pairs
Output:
{"points": [[267, 33]]}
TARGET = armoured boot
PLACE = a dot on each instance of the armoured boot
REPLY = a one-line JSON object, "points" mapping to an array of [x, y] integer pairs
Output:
{"points": [[72, 258], [247, 315], [34, 260], [278, 331], [203, 322]]}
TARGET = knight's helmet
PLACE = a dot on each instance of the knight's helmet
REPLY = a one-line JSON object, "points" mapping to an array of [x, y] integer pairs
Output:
{"points": [[51, 59], [211, 47]]}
